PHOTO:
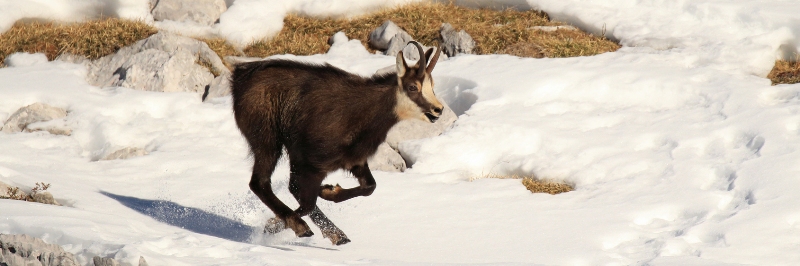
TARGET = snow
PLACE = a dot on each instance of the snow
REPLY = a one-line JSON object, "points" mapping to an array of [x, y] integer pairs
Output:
{"points": [[681, 153]]}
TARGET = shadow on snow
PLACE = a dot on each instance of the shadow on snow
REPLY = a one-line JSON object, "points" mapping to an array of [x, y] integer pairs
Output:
{"points": [[192, 219]]}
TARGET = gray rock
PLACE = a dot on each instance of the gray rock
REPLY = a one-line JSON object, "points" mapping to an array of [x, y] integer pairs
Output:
{"points": [[381, 36], [126, 153], [221, 86], [142, 262], [387, 160], [203, 12], [45, 197], [163, 62], [5, 190], [98, 261], [27, 250], [456, 42], [416, 129], [398, 43], [37, 112]]}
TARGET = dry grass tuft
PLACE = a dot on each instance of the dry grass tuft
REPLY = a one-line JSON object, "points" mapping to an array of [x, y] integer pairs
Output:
{"points": [[552, 188], [494, 31], [533, 184], [785, 72], [93, 39]]}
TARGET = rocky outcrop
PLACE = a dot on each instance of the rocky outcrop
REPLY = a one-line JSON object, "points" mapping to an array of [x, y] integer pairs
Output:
{"points": [[380, 37], [456, 42], [202, 12], [163, 62], [398, 43], [30, 118], [27, 250], [386, 159]]}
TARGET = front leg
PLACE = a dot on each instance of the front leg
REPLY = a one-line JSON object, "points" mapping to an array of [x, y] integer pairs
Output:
{"points": [[366, 186]]}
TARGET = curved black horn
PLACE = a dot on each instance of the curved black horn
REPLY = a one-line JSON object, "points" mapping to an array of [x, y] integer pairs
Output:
{"points": [[435, 58], [422, 60]]}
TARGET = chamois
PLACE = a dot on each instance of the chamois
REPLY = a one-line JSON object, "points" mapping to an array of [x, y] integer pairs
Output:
{"points": [[327, 119]]}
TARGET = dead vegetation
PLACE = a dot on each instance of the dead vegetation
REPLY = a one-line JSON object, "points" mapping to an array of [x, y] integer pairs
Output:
{"points": [[534, 184], [16, 194], [785, 72], [506, 31], [92, 39], [494, 31]]}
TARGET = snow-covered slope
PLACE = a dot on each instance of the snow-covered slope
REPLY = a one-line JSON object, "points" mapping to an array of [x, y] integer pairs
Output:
{"points": [[680, 156]]}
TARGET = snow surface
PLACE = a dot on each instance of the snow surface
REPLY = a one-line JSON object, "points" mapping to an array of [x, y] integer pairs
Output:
{"points": [[682, 154]]}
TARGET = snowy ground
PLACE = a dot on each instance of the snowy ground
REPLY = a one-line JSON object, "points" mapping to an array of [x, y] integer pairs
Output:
{"points": [[681, 152]]}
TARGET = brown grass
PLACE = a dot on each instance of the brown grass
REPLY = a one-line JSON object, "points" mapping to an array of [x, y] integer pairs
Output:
{"points": [[93, 39], [533, 184], [494, 31], [785, 72]]}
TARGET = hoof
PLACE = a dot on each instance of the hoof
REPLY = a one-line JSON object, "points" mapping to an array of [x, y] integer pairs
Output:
{"points": [[306, 234], [342, 241], [274, 226]]}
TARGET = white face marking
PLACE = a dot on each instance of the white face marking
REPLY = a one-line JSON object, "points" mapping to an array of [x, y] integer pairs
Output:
{"points": [[408, 109]]}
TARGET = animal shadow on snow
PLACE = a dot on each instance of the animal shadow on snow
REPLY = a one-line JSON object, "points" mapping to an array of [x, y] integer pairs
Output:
{"points": [[192, 219]]}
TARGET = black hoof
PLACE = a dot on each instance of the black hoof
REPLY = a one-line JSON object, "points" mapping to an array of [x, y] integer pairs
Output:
{"points": [[307, 233], [342, 241]]}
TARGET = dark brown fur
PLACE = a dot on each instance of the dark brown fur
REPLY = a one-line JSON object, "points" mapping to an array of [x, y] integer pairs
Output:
{"points": [[326, 119]]}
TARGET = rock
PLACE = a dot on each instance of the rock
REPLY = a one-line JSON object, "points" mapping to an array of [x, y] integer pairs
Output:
{"points": [[5, 190], [23, 59], [37, 112], [417, 129], [27, 250], [163, 62], [45, 197], [98, 261], [456, 42], [387, 160], [203, 12], [142, 262], [381, 36], [126, 153], [397, 43], [221, 86]]}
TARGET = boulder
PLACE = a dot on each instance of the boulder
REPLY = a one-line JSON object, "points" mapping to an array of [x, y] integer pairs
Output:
{"points": [[126, 153], [221, 86], [34, 113], [386, 159], [381, 36], [397, 43], [203, 12], [98, 261], [5, 190], [27, 250], [163, 62], [45, 197], [456, 42]]}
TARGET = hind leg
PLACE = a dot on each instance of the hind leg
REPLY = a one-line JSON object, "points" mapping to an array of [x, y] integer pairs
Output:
{"points": [[366, 186], [305, 188], [261, 185]]}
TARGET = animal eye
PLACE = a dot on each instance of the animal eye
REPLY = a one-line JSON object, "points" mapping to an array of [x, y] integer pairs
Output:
{"points": [[412, 88]]}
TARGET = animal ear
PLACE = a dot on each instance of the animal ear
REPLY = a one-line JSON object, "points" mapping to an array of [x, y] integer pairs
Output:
{"points": [[401, 64]]}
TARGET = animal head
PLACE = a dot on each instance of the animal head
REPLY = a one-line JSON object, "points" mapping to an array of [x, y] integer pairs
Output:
{"points": [[415, 91]]}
